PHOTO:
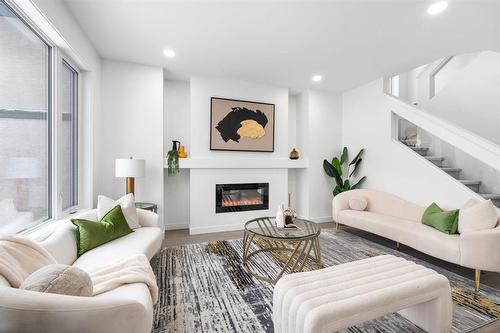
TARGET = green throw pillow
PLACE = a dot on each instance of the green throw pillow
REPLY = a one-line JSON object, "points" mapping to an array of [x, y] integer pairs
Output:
{"points": [[91, 234], [437, 218]]}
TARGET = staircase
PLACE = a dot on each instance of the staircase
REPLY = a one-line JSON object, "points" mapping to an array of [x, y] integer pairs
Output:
{"points": [[438, 161]]}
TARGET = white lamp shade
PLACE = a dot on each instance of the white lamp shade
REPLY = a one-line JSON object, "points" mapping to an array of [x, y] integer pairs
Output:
{"points": [[129, 167]]}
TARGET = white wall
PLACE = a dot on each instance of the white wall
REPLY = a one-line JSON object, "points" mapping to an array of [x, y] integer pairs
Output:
{"points": [[319, 119], [131, 124], [202, 89], [292, 142], [388, 165], [176, 126], [471, 97]]}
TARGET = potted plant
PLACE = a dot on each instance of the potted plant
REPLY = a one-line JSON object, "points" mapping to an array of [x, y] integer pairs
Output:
{"points": [[341, 170], [173, 159]]}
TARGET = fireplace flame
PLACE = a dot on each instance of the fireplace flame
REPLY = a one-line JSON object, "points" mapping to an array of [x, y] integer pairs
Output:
{"points": [[242, 202]]}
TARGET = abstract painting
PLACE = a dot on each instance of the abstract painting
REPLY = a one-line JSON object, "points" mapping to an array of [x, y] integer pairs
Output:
{"points": [[241, 125]]}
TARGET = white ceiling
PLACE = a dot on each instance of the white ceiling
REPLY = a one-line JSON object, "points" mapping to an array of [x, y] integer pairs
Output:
{"points": [[285, 42]]}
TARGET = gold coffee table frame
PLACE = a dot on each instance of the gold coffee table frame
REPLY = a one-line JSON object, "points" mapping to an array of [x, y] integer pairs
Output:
{"points": [[291, 247]]}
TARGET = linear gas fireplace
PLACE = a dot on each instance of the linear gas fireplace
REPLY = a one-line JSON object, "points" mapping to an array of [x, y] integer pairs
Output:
{"points": [[241, 197]]}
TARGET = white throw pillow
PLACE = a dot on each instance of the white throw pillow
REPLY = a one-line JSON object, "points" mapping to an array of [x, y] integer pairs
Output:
{"points": [[127, 203], [471, 202], [358, 203], [479, 216]]}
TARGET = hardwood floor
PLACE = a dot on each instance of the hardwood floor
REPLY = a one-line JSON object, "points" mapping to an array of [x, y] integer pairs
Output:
{"points": [[492, 279]]}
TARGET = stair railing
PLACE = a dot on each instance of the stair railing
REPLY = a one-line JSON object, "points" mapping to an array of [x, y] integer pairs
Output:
{"points": [[470, 143]]}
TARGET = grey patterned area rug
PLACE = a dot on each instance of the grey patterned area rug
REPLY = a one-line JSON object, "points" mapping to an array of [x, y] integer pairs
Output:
{"points": [[204, 288]]}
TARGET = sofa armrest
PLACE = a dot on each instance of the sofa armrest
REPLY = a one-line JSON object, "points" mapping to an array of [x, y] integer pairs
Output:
{"points": [[481, 249], [30, 311], [339, 203], [147, 218]]}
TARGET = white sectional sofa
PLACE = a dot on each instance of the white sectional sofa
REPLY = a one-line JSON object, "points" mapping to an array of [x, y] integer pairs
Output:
{"points": [[392, 217], [125, 309]]}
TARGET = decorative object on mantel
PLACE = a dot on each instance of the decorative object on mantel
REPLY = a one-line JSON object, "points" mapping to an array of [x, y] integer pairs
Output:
{"points": [[173, 159], [341, 171], [294, 154], [280, 217], [182, 152], [241, 125], [130, 168]]}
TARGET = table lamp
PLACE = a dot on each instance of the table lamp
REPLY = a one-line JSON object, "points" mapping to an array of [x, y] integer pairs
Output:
{"points": [[129, 168]]}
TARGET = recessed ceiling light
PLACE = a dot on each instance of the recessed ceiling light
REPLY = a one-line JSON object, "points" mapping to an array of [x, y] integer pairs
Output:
{"points": [[437, 7], [169, 53], [317, 78]]}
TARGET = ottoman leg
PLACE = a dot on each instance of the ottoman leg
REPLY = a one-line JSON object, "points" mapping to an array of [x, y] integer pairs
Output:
{"points": [[434, 316]]}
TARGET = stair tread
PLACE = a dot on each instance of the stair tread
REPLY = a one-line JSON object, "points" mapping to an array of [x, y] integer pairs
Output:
{"points": [[469, 182], [493, 196], [450, 169], [419, 148], [434, 158]]}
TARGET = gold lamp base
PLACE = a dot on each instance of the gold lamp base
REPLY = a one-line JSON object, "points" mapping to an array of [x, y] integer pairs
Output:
{"points": [[130, 185]]}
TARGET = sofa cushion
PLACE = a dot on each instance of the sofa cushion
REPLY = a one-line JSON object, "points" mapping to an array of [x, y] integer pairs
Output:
{"points": [[59, 279], [91, 234], [476, 217], [414, 234], [145, 240], [61, 244], [127, 203]]}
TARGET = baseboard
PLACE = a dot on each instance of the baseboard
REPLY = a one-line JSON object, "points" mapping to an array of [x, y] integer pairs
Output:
{"points": [[176, 226], [216, 228], [320, 219], [241, 226]]}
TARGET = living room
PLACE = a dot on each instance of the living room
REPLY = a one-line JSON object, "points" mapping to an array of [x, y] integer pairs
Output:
{"points": [[249, 166]]}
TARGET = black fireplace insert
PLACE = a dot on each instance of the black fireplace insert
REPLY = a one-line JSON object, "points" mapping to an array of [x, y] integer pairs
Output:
{"points": [[241, 197]]}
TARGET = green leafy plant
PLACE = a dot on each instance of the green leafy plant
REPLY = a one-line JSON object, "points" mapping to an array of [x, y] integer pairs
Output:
{"points": [[341, 170], [172, 162]]}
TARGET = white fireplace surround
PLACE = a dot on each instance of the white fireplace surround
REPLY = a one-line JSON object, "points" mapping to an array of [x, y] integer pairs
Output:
{"points": [[204, 219]]}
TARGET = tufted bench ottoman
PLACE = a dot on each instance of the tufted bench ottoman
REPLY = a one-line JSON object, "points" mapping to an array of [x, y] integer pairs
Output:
{"points": [[337, 297]]}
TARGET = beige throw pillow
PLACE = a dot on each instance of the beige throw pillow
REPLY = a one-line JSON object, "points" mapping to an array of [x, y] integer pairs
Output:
{"points": [[127, 203], [59, 279], [358, 203], [479, 216]]}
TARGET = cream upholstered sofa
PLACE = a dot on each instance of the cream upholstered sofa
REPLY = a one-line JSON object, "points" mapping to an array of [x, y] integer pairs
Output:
{"points": [[397, 219], [125, 309]]}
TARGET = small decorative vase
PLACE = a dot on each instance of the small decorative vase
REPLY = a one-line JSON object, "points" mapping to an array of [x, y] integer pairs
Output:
{"points": [[182, 152], [294, 154], [280, 217]]}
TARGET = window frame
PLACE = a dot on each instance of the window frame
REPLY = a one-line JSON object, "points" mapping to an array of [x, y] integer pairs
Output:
{"points": [[64, 60], [54, 118]]}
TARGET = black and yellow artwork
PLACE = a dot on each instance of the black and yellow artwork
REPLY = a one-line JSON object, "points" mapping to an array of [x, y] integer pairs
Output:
{"points": [[241, 125]]}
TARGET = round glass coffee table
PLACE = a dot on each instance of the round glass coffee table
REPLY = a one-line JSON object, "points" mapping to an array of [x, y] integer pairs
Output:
{"points": [[293, 248]]}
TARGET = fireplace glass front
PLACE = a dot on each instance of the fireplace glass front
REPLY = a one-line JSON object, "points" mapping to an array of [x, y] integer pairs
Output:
{"points": [[241, 197]]}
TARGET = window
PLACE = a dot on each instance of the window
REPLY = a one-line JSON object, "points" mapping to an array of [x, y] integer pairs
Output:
{"points": [[25, 125], [69, 136], [38, 134]]}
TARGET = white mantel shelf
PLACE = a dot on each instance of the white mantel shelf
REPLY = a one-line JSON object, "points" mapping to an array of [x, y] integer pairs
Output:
{"points": [[241, 163]]}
